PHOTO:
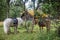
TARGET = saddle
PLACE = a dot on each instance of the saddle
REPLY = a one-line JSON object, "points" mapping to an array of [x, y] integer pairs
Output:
{"points": [[15, 22], [41, 24]]}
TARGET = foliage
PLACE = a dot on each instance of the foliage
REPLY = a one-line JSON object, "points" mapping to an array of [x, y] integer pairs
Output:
{"points": [[58, 31], [10, 9], [16, 9], [3, 9], [51, 8]]}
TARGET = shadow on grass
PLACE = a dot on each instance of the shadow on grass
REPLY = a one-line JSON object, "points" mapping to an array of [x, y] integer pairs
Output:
{"points": [[29, 32]]}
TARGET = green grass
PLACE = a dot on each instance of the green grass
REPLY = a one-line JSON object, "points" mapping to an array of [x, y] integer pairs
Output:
{"points": [[36, 35]]}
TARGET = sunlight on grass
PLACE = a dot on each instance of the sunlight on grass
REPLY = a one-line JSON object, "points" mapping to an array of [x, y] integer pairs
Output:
{"points": [[1, 23]]}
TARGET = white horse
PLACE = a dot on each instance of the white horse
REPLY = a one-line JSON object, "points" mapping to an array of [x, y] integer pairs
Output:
{"points": [[9, 22]]}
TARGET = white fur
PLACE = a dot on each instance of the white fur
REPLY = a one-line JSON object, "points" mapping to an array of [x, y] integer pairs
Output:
{"points": [[9, 22], [20, 21]]}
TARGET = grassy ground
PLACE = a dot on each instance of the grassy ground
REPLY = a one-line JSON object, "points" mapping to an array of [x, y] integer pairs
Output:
{"points": [[36, 35], [1, 23]]}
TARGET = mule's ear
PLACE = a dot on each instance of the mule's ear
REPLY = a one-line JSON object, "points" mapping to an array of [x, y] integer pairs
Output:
{"points": [[22, 15]]}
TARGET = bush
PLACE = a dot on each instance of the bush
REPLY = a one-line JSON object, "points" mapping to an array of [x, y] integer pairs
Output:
{"points": [[58, 31]]}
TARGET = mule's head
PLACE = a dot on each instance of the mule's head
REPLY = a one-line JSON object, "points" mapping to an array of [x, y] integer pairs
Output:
{"points": [[25, 15]]}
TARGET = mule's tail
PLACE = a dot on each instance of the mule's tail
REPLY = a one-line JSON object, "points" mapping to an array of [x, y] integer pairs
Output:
{"points": [[6, 27]]}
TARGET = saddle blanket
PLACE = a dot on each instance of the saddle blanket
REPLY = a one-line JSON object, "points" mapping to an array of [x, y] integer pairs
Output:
{"points": [[15, 21]]}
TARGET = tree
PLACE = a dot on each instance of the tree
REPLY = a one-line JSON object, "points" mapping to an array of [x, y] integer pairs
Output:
{"points": [[3, 9]]}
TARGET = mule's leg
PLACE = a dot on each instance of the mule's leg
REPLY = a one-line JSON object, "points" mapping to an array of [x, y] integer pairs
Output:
{"points": [[9, 30], [32, 28], [15, 29], [40, 29], [32, 23], [48, 27], [27, 26]]}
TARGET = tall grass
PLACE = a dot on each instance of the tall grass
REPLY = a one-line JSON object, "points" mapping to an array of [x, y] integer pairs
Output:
{"points": [[36, 35]]}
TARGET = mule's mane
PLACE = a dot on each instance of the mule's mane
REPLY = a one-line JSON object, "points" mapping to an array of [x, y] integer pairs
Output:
{"points": [[26, 15]]}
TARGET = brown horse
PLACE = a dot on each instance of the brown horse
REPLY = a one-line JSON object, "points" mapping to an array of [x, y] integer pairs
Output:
{"points": [[44, 23]]}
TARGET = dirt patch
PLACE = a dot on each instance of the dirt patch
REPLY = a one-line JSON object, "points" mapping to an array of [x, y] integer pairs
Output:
{"points": [[1, 23]]}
